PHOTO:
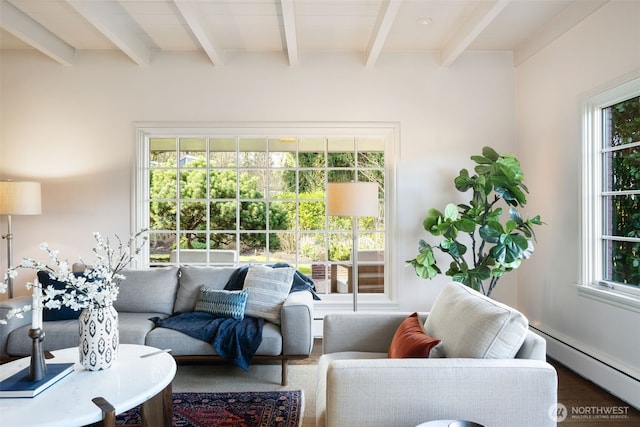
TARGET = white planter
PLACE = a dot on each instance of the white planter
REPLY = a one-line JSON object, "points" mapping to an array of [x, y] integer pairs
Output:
{"points": [[99, 337]]}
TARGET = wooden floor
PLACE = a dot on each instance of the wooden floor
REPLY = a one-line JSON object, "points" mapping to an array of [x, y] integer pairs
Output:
{"points": [[585, 402]]}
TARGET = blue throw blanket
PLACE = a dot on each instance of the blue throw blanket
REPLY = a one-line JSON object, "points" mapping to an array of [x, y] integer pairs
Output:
{"points": [[234, 340]]}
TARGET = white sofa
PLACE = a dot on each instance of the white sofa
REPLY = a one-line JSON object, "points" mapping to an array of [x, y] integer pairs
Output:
{"points": [[359, 386]]}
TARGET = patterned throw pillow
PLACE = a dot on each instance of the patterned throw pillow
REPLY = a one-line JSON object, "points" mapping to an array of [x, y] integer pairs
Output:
{"points": [[222, 303], [269, 287]]}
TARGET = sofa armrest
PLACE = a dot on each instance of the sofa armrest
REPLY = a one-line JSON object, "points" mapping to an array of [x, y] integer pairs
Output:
{"points": [[361, 331], [407, 392], [14, 323], [296, 324]]}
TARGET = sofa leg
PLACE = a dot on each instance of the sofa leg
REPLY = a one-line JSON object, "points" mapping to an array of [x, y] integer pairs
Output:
{"points": [[283, 381]]}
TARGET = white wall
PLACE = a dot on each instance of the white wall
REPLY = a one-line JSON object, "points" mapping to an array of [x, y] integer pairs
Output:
{"points": [[550, 89], [72, 129]]}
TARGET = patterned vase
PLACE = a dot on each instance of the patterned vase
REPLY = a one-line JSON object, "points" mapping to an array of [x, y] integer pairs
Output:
{"points": [[99, 337]]}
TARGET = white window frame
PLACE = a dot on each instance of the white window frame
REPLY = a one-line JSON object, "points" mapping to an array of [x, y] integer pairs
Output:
{"points": [[591, 283], [390, 131]]}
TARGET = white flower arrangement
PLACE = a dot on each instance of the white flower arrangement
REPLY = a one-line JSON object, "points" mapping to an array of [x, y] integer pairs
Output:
{"points": [[96, 286]]}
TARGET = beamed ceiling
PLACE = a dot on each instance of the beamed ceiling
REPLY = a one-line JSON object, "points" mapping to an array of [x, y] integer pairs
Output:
{"points": [[140, 28]]}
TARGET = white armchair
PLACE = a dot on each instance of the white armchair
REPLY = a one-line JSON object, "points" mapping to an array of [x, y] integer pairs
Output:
{"points": [[358, 385]]}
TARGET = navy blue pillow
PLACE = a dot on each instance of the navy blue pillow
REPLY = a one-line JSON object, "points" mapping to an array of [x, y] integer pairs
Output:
{"points": [[64, 313]]}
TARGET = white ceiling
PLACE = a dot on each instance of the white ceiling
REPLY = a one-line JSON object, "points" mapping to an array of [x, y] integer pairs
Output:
{"points": [[139, 28]]}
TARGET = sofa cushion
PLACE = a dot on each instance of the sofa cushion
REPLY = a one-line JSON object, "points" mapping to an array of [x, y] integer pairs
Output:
{"points": [[149, 290], [472, 325], [192, 278], [222, 303], [410, 340], [268, 289]]}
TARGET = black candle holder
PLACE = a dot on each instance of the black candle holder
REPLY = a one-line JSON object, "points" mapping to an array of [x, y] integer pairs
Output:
{"points": [[37, 368]]}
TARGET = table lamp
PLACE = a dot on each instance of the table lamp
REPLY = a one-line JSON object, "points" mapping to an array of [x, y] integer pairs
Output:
{"points": [[353, 199], [17, 198]]}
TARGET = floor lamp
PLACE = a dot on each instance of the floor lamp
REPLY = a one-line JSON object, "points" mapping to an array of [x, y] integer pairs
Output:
{"points": [[353, 199], [17, 198]]}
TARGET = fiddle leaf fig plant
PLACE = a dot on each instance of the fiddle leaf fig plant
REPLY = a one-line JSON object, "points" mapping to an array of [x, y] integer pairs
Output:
{"points": [[482, 248]]}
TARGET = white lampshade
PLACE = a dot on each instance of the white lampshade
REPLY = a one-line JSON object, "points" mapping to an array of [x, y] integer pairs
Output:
{"points": [[20, 198], [352, 199]]}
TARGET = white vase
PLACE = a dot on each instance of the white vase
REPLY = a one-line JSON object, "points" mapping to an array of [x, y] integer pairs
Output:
{"points": [[99, 337]]}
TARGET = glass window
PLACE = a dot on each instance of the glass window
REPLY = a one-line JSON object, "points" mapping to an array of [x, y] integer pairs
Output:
{"points": [[611, 196], [220, 199], [621, 192]]}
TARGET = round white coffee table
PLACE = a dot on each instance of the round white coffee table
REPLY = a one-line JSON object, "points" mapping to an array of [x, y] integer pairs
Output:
{"points": [[129, 382], [447, 423]]}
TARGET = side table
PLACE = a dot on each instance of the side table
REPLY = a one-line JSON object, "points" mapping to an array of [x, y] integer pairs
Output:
{"points": [[129, 382]]}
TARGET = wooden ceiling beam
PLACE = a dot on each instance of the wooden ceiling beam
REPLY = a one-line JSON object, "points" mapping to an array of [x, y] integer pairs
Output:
{"points": [[16, 22], [208, 43], [384, 22], [290, 34], [107, 17], [483, 14]]}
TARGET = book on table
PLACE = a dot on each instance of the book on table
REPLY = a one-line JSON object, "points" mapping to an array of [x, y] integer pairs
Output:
{"points": [[19, 385]]}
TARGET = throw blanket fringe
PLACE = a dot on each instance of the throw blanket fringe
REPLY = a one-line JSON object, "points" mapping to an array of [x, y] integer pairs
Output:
{"points": [[235, 340]]}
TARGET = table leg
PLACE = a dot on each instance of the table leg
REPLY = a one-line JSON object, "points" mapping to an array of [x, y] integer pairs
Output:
{"points": [[158, 411]]}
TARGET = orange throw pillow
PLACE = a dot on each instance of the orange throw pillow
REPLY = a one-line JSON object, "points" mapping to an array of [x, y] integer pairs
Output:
{"points": [[410, 340]]}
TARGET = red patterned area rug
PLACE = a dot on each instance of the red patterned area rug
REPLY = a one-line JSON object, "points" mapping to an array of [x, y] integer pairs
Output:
{"points": [[238, 409]]}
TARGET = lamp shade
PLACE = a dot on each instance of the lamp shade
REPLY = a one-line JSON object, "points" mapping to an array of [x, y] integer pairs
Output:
{"points": [[20, 198], [352, 199]]}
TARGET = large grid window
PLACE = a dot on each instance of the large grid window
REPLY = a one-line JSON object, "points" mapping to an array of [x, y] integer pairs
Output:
{"points": [[220, 199], [611, 225]]}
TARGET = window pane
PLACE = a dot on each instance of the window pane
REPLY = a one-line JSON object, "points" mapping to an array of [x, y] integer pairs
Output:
{"points": [[223, 215], [622, 262], [282, 152], [623, 122], [622, 215], [193, 184], [277, 182], [223, 241], [222, 152], [189, 240], [253, 152], [312, 181], [622, 169], [162, 216], [193, 215], [162, 150], [160, 246], [280, 215], [223, 184], [312, 247]]}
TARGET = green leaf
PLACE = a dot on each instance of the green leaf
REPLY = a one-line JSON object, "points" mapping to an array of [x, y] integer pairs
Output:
{"points": [[481, 160], [453, 247], [463, 181], [490, 153], [491, 232], [465, 225], [451, 212]]}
